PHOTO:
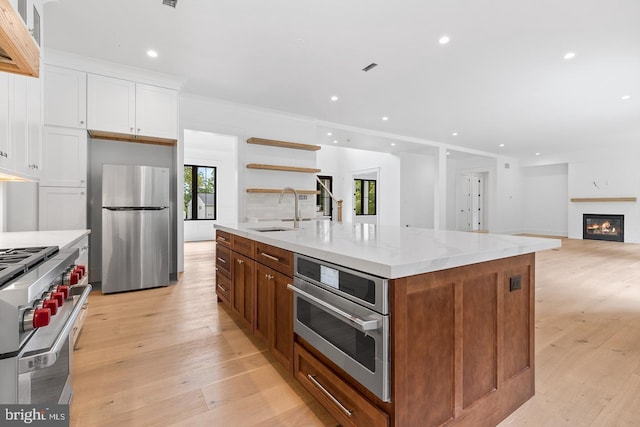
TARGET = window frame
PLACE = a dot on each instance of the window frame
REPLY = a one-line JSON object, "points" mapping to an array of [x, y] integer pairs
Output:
{"points": [[194, 191], [363, 182]]}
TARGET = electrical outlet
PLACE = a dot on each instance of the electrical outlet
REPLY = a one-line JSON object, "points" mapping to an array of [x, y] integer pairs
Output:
{"points": [[515, 283]]}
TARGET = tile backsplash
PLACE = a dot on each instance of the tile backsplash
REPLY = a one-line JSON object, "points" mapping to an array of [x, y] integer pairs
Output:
{"points": [[267, 207]]}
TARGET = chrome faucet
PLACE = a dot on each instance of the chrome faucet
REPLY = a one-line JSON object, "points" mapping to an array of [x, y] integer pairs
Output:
{"points": [[296, 217]]}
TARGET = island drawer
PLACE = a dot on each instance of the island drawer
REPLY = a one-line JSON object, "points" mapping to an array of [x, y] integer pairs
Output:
{"points": [[223, 260], [223, 287], [223, 238], [345, 403], [279, 259], [243, 246]]}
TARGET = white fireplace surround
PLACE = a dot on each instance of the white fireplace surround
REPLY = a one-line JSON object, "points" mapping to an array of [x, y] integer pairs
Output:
{"points": [[630, 210]]}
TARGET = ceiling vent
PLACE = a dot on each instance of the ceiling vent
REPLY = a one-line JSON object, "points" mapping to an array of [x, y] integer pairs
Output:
{"points": [[171, 3], [370, 67]]}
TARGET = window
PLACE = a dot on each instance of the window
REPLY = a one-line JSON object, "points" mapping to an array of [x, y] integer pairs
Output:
{"points": [[323, 199], [199, 192], [365, 196]]}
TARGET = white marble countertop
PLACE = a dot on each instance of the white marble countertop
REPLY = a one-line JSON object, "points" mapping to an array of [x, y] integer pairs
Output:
{"points": [[387, 251], [61, 238]]}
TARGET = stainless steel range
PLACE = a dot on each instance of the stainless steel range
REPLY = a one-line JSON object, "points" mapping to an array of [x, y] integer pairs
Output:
{"points": [[42, 292]]}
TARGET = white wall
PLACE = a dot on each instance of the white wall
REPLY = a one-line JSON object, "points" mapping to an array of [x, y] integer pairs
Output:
{"points": [[417, 189], [219, 151], [613, 172], [342, 163], [546, 196]]}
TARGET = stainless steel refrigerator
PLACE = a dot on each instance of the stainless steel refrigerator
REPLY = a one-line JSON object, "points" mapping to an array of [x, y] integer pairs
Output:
{"points": [[135, 227]]}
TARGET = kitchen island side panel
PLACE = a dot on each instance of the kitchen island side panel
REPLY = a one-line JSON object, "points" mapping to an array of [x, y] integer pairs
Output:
{"points": [[462, 344]]}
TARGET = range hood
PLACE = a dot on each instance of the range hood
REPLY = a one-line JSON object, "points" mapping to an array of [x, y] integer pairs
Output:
{"points": [[19, 52]]}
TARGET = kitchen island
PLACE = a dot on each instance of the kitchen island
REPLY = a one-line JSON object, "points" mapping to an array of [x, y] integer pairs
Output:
{"points": [[461, 309]]}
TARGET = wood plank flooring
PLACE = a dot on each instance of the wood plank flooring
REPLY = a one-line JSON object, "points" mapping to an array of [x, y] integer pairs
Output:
{"points": [[173, 356]]}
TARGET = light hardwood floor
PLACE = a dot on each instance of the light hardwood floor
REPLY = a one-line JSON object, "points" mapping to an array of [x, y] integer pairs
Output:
{"points": [[173, 356]]}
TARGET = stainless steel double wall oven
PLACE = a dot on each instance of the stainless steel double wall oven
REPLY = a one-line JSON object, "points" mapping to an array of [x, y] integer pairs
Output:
{"points": [[344, 314]]}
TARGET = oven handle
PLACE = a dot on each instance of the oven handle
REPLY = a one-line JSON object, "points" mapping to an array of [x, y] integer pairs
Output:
{"points": [[362, 325], [45, 359]]}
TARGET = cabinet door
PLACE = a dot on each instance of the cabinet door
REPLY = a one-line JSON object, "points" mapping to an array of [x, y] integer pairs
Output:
{"points": [[63, 208], [64, 157], [281, 335], [18, 125], [34, 122], [65, 97], [156, 111], [4, 121], [110, 104], [244, 273], [264, 282]]}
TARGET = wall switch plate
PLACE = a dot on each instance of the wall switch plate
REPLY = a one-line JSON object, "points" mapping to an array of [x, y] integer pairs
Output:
{"points": [[515, 283]]}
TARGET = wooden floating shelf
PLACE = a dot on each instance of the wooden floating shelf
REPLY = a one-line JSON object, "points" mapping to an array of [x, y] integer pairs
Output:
{"points": [[278, 191], [604, 199], [114, 136], [282, 168], [283, 144]]}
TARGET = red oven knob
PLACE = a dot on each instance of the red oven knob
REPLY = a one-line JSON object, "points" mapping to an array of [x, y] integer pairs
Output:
{"points": [[52, 305], [35, 318], [64, 290], [79, 272], [58, 296], [83, 269], [70, 279], [41, 317]]}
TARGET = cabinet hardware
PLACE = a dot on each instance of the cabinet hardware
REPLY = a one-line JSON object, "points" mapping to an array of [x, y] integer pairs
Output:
{"points": [[271, 257], [240, 261], [223, 288], [268, 276], [329, 395], [222, 238], [131, 129], [221, 260], [81, 122]]}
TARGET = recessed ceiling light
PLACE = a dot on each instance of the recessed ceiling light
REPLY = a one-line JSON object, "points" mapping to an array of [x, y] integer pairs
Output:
{"points": [[334, 98], [501, 145], [329, 134], [444, 39], [454, 134], [569, 55], [537, 154], [335, 141], [448, 153], [152, 53], [393, 144], [625, 97], [385, 118]]}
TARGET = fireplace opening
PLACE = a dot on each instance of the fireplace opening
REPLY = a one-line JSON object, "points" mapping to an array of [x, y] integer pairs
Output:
{"points": [[603, 227]]}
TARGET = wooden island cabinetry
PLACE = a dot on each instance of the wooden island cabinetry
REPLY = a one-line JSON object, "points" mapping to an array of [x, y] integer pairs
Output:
{"points": [[252, 280], [461, 340]]}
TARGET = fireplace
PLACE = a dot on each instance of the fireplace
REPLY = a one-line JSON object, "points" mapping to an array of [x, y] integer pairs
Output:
{"points": [[603, 227]]}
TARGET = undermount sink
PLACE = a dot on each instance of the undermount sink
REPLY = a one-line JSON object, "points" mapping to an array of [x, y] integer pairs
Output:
{"points": [[266, 229]]}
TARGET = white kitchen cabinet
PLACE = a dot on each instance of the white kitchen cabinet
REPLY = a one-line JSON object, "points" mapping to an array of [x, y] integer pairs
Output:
{"points": [[125, 107], [156, 111], [34, 126], [64, 159], [62, 208], [65, 97], [111, 104], [4, 122], [18, 125]]}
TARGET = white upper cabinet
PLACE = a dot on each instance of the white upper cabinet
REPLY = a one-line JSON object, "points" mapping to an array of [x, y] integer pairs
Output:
{"points": [[156, 111], [111, 104], [129, 108], [4, 122], [64, 157], [65, 97], [18, 125], [34, 125]]}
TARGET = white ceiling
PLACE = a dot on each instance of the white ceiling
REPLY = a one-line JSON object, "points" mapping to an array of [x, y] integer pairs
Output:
{"points": [[502, 78]]}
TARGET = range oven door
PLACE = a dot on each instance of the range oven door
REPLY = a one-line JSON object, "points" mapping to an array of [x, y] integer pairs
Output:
{"points": [[352, 336], [44, 364]]}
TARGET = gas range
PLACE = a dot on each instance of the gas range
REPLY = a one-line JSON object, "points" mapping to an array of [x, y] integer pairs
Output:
{"points": [[42, 291]]}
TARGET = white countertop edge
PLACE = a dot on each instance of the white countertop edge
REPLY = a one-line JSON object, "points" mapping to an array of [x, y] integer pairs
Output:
{"points": [[393, 271], [61, 238]]}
